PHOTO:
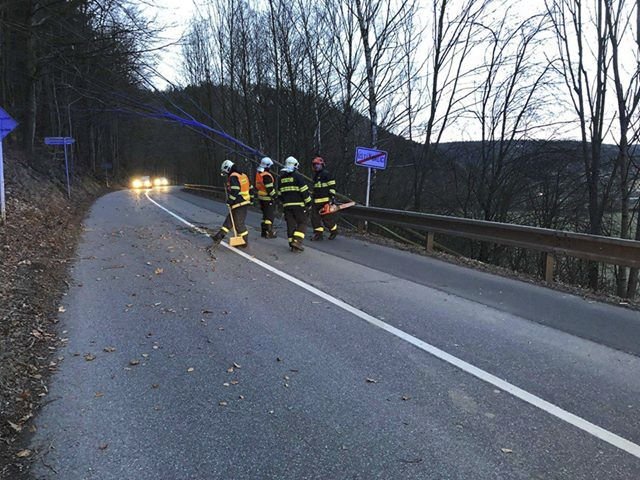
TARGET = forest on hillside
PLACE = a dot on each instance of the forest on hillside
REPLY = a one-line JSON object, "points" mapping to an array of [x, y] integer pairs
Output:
{"points": [[489, 109]]}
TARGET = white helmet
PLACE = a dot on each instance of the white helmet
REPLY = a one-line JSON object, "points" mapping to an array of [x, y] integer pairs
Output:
{"points": [[265, 163], [290, 164], [226, 167]]}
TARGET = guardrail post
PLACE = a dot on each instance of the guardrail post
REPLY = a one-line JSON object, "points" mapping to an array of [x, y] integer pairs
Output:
{"points": [[549, 267], [429, 242]]}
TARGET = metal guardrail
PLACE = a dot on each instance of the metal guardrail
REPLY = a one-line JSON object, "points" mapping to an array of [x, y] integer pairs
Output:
{"points": [[608, 250], [204, 188]]}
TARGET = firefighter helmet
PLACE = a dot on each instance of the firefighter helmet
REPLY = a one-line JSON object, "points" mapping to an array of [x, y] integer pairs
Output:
{"points": [[226, 167], [291, 164], [265, 163]]}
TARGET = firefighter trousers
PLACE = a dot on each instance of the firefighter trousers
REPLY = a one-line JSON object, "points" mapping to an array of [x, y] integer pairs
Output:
{"points": [[296, 219], [322, 222], [268, 214], [239, 218]]}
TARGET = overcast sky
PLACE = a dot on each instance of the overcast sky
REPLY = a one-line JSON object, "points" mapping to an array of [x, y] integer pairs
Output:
{"points": [[174, 17]]}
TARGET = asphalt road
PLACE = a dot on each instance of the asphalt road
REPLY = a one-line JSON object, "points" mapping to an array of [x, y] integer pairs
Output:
{"points": [[318, 391]]}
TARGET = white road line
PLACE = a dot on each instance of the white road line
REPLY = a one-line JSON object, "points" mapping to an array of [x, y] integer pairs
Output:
{"points": [[579, 422]]}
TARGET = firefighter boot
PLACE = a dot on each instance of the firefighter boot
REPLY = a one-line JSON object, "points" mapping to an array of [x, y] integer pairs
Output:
{"points": [[317, 236], [296, 245], [333, 234], [265, 231], [271, 233], [217, 238]]}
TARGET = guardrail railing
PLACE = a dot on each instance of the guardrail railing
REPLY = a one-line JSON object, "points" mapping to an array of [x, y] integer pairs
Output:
{"points": [[608, 250], [204, 188]]}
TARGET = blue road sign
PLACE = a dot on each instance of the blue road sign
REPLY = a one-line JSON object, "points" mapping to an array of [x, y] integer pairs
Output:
{"points": [[7, 124], [371, 158], [59, 140], [64, 141]]}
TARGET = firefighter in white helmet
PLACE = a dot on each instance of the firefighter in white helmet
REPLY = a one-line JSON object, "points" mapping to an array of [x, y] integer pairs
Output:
{"points": [[295, 198], [265, 185], [238, 199]]}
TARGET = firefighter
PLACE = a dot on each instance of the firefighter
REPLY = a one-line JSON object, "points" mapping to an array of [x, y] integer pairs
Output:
{"points": [[324, 192], [266, 196], [295, 198], [238, 199]]}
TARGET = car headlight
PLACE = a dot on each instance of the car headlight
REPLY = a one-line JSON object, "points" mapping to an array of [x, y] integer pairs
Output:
{"points": [[160, 182], [136, 183], [148, 184]]}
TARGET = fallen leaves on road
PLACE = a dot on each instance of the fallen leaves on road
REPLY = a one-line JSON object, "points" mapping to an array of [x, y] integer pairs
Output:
{"points": [[406, 397], [223, 403], [61, 309], [15, 426], [236, 365], [24, 453], [159, 271], [134, 362], [155, 385], [506, 450], [190, 369], [89, 357], [109, 349], [371, 380], [99, 394], [103, 446], [234, 382]]}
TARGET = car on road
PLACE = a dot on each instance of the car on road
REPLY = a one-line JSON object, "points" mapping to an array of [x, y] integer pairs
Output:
{"points": [[141, 182], [160, 182]]}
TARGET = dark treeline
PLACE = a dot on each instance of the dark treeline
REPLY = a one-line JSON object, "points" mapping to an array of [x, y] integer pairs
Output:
{"points": [[65, 67]]}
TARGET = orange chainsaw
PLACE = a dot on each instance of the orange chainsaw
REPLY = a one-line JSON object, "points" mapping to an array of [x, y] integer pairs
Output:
{"points": [[330, 208]]}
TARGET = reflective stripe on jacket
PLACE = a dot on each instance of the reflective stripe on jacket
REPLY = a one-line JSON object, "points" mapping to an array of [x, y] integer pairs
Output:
{"points": [[265, 186], [238, 190], [324, 187], [292, 190]]}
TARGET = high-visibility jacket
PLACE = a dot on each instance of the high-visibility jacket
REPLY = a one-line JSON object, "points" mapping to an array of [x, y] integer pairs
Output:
{"points": [[238, 190], [292, 190], [324, 187], [265, 186]]}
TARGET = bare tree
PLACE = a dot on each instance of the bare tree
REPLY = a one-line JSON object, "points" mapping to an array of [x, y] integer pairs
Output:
{"points": [[582, 36], [619, 18], [380, 23], [453, 36], [509, 111]]}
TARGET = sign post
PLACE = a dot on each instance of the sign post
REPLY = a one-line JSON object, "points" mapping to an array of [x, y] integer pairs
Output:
{"points": [[372, 159], [107, 167], [7, 124], [64, 141]]}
